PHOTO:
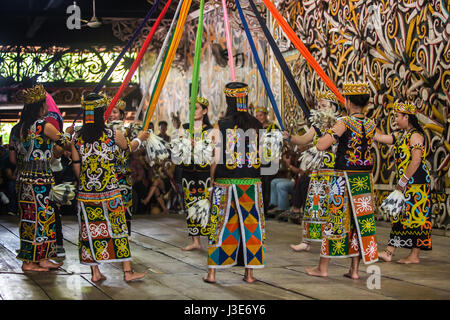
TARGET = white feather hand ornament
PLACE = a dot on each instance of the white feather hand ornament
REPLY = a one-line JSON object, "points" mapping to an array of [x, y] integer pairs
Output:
{"points": [[63, 193], [181, 149], [394, 204], [199, 212], [156, 148]]}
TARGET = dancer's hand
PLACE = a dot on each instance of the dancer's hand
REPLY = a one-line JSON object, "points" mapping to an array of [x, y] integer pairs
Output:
{"points": [[286, 135], [143, 135]]}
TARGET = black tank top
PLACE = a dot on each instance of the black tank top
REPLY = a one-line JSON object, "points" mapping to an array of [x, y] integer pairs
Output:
{"points": [[240, 158]]}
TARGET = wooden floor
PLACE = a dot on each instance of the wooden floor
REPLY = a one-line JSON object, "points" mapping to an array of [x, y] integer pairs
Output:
{"points": [[176, 275]]}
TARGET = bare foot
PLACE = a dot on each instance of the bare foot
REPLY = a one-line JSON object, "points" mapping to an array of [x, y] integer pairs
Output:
{"points": [[352, 276], [30, 266], [385, 255], [50, 265], [249, 279], [191, 247], [132, 275], [409, 260], [301, 247], [316, 272], [98, 277], [209, 279]]}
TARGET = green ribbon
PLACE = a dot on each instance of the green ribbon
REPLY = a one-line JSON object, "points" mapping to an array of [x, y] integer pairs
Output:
{"points": [[196, 68]]}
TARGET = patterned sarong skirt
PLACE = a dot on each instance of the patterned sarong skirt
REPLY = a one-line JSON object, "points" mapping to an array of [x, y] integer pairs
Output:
{"points": [[236, 219]]}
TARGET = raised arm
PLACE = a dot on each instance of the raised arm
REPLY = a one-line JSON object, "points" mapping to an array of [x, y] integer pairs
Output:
{"points": [[331, 136], [384, 138], [303, 139]]}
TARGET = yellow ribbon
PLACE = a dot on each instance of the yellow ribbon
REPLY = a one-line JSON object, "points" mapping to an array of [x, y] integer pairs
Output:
{"points": [[170, 56]]}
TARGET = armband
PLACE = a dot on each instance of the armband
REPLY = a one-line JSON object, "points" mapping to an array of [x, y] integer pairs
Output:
{"points": [[139, 142], [333, 134]]}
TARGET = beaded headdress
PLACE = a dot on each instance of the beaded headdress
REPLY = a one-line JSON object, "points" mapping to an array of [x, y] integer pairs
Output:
{"points": [[90, 105], [327, 95], [239, 91], [356, 88], [35, 94], [203, 101], [261, 109], [120, 104], [407, 107]]}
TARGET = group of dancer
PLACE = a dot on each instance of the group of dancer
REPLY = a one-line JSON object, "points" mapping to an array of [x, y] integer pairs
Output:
{"points": [[340, 205]]}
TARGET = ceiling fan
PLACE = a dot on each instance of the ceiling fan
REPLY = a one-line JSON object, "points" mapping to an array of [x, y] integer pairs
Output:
{"points": [[94, 22]]}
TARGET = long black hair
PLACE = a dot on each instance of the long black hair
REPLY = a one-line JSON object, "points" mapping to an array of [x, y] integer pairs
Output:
{"points": [[91, 132], [30, 113], [205, 116], [412, 120]]}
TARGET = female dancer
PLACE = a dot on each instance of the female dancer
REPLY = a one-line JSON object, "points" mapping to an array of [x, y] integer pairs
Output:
{"points": [[316, 208], [412, 229], [350, 229], [196, 176], [237, 214], [101, 214], [37, 228]]}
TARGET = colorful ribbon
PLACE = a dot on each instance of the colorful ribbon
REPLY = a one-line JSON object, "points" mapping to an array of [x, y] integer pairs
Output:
{"points": [[137, 61], [196, 68], [121, 54], [303, 50], [259, 64], [283, 65], [125, 49], [162, 53], [158, 79], [229, 44], [171, 54]]}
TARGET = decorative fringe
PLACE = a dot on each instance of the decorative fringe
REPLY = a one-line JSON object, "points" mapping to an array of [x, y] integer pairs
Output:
{"points": [[156, 148], [63, 193], [116, 125], [180, 148], [312, 158], [323, 118], [203, 152], [272, 145], [200, 212], [394, 204]]}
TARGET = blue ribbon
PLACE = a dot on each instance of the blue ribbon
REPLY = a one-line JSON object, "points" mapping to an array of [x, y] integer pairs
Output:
{"points": [[259, 64], [283, 65]]}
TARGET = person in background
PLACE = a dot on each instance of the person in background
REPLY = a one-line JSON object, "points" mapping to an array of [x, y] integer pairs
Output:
{"points": [[262, 115], [163, 131]]}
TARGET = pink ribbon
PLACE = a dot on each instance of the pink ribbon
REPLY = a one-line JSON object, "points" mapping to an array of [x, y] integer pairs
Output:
{"points": [[229, 47]]}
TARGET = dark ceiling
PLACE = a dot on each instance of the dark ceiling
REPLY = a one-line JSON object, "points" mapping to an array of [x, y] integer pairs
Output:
{"points": [[43, 22]]}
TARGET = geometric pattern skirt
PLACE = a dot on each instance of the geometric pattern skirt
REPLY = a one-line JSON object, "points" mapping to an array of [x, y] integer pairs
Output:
{"points": [[412, 228], [37, 229], [236, 219], [103, 230], [316, 209], [350, 230]]}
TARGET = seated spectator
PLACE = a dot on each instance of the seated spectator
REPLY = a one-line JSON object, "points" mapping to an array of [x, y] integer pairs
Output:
{"points": [[283, 187]]}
